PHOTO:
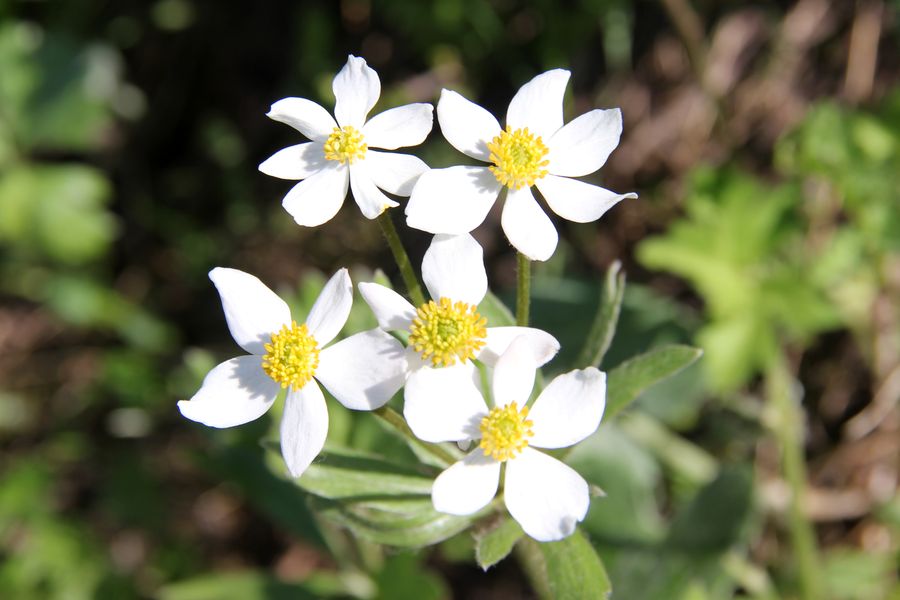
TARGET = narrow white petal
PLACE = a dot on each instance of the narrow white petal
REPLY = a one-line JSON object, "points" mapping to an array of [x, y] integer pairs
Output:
{"points": [[253, 311], [356, 90], [316, 199], [467, 126], [527, 226], [399, 127], [304, 427], [305, 116], [235, 392], [295, 162], [542, 344], [576, 200], [584, 143], [538, 105], [466, 486], [331, 309], [546, 497], [363, 371], [443, 404], [394, 173], [390, 308], [453, 267], [371, 201], [454, 200], [514, 373], [569, 409]]}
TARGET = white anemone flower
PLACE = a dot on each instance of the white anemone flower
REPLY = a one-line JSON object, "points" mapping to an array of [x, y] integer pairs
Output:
{"points": [[362, 371], [447, 333], [340, 152], [535, 149], [547, 497]]}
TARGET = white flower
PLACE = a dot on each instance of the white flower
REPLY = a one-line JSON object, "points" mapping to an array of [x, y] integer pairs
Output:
{"points": [[534, 149], [362, 371], [340, 152], [544, 495], [447, 332]]}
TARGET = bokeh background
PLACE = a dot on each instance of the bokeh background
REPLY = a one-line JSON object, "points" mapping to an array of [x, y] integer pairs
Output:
{"points": [[762, 137]]}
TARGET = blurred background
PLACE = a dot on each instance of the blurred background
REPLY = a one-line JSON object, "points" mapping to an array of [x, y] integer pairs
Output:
{"points": [[762, 137]]}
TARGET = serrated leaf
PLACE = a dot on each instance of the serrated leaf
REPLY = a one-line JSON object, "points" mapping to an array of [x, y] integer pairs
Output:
{"points": [[408, 522], [337, 475], [574, 570], [496, 313], [603, 328], [633, 376], [495, 543]]}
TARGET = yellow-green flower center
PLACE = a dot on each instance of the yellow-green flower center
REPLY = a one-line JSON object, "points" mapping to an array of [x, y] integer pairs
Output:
{"points": [[292, 356], [519, 158], [444, 331], [505, 431], [345, 145]]}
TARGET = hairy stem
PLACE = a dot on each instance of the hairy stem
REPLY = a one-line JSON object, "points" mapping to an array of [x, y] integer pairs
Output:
{"points": [[395, 420], [523, 289], [401, 258]]}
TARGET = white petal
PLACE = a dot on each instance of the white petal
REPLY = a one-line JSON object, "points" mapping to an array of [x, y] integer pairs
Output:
{"points": [[331, 309], [467, 126], [546, 497], [295, 162], [576, 200], [527, 226], [454, 200], [390, 308], [538, 105], [542, 344], [443, 404], [372, 201], [252, 310], [569, 409], [235, 392], [316, 199], [394, 173], [514, 373], [467, 486], [584, 144], [363, 371], [399, 127], [304, 427], [305, 116], [356, 90], [453, 267]]}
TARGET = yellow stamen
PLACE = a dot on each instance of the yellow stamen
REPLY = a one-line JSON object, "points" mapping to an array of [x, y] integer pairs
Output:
{"points": [[518, 157], [292, 356], [445, 331], [505, 432], [345, 145]]}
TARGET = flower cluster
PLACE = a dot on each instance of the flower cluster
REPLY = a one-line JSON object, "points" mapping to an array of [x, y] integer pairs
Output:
{"points": [[464, 379]]}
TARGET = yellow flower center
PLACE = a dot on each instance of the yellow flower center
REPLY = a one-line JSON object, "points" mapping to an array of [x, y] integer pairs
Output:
{"points": [[505, 432], [292, 356], [345, 145], [518, 157], [445, 331]]}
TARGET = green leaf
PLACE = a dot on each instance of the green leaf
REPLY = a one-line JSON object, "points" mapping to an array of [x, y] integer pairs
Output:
{"points": [[604, 326], [495, 543], [248, 585], [496, 313], [574, 570], [409, 522], [633, 376], [404, 577], [338, 475]]}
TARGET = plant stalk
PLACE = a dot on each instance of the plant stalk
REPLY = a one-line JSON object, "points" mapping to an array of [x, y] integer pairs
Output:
{"points": [[395, 420], [401, 258], [523, 289]]}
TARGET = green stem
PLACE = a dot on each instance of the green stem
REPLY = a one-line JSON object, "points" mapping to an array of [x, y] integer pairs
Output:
{"points": [[523, 289], [395, 420], [789, 432], [402, 259]]}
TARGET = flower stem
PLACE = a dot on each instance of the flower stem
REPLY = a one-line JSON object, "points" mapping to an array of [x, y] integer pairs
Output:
{"points": [[395, 420], [523, 289], [402, 259]]}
